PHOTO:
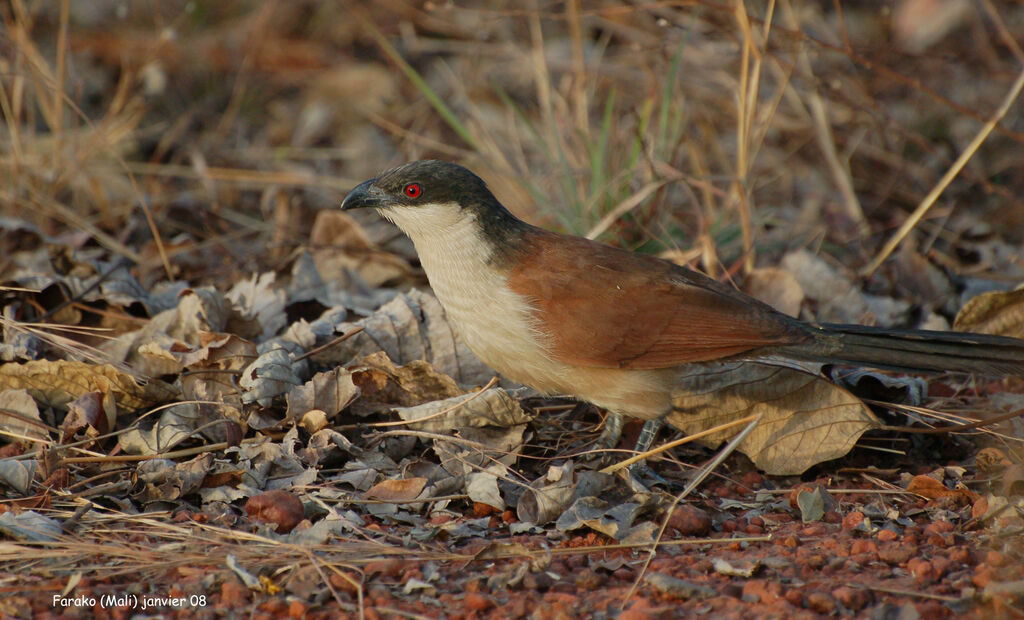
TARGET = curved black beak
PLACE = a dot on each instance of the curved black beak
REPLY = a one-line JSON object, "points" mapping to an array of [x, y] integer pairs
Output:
{"points": [[364, 195]]}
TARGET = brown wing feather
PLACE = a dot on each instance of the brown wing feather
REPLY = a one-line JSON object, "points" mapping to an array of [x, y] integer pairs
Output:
{"points": [[608, 308]]}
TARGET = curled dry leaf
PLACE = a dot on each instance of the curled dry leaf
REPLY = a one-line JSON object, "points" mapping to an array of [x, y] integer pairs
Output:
{"points": [[383, 385], [930, 488], [492, 419], [57, 383], [165, 480], [279, 507], [271, 375], [93, 412], [1000, 313], [482, 488], [412, 326], [342, 245], [18, 474], [548, 496], [328, 392], [19, 416], [806, 420], [258, 301]]}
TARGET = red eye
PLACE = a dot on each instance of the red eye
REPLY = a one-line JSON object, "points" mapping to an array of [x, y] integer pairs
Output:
{"points": [[413, 190]]}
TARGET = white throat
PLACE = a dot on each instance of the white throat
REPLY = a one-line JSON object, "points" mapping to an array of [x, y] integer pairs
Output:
{"points": [[489, 316]]}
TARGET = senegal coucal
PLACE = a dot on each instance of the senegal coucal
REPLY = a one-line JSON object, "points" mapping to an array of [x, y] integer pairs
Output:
{"points": [[566, 315]]}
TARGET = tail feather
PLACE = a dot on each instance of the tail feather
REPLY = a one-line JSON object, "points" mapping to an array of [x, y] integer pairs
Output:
{"points": [[912, 350]]}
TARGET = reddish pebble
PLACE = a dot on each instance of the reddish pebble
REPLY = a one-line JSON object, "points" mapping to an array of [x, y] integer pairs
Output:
{"points": [[961, 555], [477, 602], [938, 527], [346, 581], [636, 614], [982, 577], [821, 602], [887, 535], [921, 569], [752, 479], [794, 597], [994, 558], [941, 566], [832, 517], [893, 554], [388, 568], [853, 519], [233, 594], [815, 529], [758, 521], [791, 541], [853, 599], [689, 520], [765, 591], [278, 506], [297, 609]]}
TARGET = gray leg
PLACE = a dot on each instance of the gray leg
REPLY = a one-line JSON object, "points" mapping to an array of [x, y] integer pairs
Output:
{"points": [[612, 432], [640, 470], [647, 435]]}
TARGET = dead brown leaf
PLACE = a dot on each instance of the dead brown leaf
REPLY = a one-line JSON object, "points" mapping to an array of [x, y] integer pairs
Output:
{"points": [[384, 385], [397, 490], [1000, 313], [806, 420], [329, 392], [57, 383], [930, 488], [342, 245]]}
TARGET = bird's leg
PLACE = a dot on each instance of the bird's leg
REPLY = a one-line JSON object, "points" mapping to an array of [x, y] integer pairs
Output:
{"points": [[640, 469], [609, 437], [647, 435]]}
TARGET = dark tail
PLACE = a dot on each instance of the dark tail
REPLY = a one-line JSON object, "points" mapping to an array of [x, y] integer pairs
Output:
{"points": [[913, 350]]}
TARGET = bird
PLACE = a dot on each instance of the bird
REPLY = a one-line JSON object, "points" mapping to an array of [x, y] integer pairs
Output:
{"points": [[570, 316]]}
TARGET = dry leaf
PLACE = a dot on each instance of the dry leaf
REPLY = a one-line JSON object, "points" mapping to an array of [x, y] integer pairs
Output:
{"points": [[492, 407], [482, 487], [777, 288], [342, 245], [547, 498], [165, 480], [806, 420], [397, 490], [175, 424], [930, 488], [1000, 313], [492, 419], [19, 416], [55, 384], [385, 385], [329, 392], [412, 326], [93, 411], [257, 300], [273, 374]]}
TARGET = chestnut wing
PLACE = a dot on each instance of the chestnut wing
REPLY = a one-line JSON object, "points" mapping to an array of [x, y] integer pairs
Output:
{"points": [[603, 307]]}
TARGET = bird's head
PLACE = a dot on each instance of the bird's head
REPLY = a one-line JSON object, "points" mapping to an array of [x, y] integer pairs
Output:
{"points": [[428, 199]]}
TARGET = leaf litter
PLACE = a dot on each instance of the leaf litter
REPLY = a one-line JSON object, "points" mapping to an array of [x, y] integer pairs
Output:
{"points": [[317, 430]]}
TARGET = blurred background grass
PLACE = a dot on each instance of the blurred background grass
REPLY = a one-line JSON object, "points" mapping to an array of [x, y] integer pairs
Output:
{"points": [[190, 137]]}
